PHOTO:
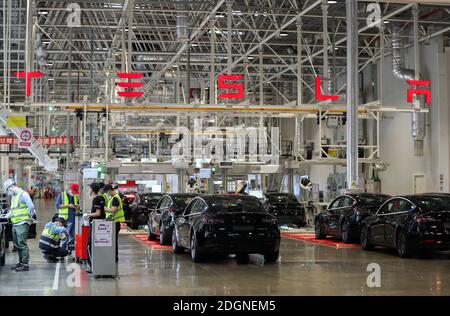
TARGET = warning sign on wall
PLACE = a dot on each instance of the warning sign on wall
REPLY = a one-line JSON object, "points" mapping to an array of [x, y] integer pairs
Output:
{"points": [[25, 137]]}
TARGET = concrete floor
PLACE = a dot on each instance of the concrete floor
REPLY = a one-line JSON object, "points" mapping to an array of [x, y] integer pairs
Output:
{"points": [[303, 269]]}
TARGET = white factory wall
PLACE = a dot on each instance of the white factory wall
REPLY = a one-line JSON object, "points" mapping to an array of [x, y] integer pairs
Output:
{"points": [[396, 142]]}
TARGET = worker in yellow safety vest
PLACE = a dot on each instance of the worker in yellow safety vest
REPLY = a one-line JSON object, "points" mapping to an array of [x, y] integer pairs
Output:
{"points": [[67, 203], [21, 216], [114, 210]]}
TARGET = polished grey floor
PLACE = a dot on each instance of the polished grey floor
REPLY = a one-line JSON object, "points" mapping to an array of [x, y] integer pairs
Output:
{"points": [[303, 269]]}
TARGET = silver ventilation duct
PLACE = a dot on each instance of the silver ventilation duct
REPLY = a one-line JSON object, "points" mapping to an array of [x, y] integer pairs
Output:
{"points": [[182, 20], [418, 120]]}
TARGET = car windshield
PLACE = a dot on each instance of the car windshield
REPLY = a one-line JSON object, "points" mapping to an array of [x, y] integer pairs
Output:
{"points": [[237, 204], [281, 198], [149, 199], [434, 204], [373, 200]]}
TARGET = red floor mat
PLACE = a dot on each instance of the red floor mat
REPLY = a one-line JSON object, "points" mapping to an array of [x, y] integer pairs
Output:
{"points": [[311, 238], [154, 244]]}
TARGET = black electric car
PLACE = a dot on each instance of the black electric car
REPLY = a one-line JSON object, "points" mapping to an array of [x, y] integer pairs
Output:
{"points": [[225, 224], [342, 218], [161, 218], [141, 207], [127, 199], [285, 207], [410, 223]]}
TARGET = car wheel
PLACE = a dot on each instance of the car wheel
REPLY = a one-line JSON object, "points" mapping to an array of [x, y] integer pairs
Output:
{"points": [[345, 232], [402, 248], [195, 251], [271, 257], [150, 235], [242, 258], [175, 247], [365, 239], [163, 235], [318, 230]]}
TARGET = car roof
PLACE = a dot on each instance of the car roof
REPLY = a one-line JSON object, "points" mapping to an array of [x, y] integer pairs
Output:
{"points": [[211, 198], [423, 196], [366, 194], [182, 194], [151, 194]]}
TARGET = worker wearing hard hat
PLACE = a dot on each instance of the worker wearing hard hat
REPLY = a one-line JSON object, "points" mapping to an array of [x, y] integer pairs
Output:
{"points": [[21, 216], [51, 241], [67, 205], [114, 211]]}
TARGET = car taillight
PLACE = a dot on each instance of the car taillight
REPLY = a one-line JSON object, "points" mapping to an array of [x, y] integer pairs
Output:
{"points": [[212, 221], [425, 219], [272, 221]]}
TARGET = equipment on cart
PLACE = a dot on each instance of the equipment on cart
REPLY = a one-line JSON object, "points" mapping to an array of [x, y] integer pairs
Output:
{"points": [[103, 254]]}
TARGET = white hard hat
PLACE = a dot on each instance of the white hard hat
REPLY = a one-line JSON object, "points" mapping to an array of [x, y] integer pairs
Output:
{"points": [[7, 184]]}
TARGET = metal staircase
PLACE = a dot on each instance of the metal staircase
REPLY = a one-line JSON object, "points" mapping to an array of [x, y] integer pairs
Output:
{"points": [[276, 182], [36, 149]]}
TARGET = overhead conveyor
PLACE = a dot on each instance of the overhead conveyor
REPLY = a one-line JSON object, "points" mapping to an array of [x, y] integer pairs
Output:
{"points": [[36, 149]]}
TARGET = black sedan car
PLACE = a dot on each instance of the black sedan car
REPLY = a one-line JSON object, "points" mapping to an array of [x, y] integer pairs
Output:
{"points": [[411, 223], [342, 218], [161, 218], [127, 199], [141, 207], [225, 224], [286, 208]]}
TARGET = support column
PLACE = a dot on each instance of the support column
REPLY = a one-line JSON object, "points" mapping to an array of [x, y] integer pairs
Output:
{"points": [[261, 76], [225, 180], [212, 74], [299, 61], [69, 98], [352, 93], [325, 71], [291, 181]]}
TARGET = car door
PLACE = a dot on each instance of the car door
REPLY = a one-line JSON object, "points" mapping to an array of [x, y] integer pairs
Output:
{"points": [[325, 216], [155, 216], [335, 214], [377, 224], [159, 210], [339, 213], [392, 220], [184, 225]]}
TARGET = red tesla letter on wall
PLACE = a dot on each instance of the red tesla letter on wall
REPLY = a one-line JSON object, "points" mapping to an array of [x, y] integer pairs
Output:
{"points": [[221, 84], [28, 76], [130, 85], [320, 96], [426, 92]]}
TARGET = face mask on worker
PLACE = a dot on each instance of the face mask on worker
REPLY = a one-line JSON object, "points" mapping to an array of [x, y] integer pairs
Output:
{"points": [[11, 191]]}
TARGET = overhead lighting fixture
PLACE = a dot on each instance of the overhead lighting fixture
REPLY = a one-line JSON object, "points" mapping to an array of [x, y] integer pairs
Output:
{"points": [[43, 12], [220, 16], [194, 45], [51, 79], [386, 22], [237, 12], [332, 2], [46, 42], [284, 34]]}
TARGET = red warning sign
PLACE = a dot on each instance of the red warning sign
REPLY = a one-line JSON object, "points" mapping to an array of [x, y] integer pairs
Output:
{"points": [[25, 138]]}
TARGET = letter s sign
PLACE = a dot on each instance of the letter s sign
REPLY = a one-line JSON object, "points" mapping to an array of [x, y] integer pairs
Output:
{"points": [[239, 87]]}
